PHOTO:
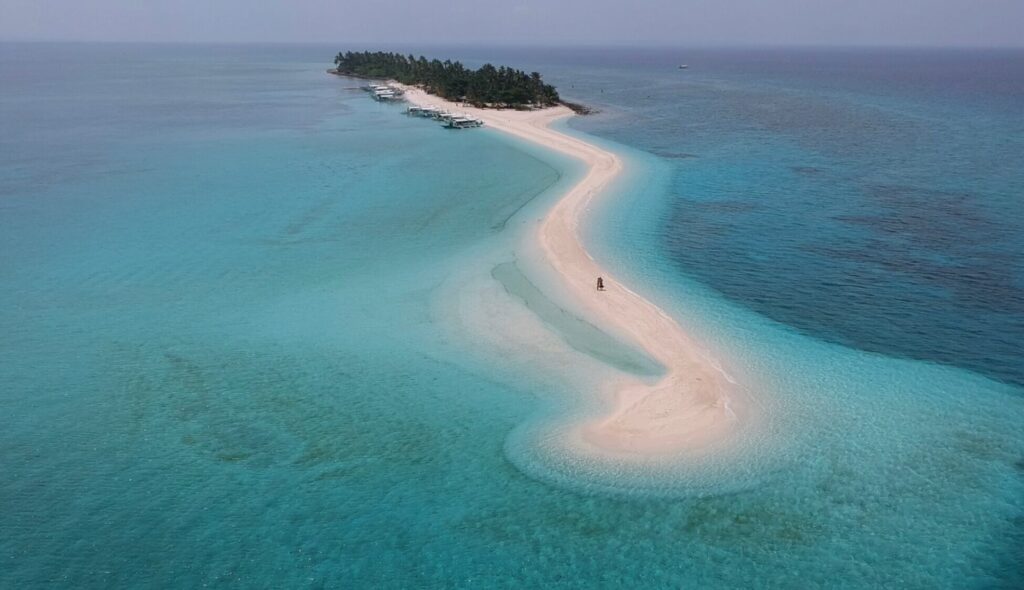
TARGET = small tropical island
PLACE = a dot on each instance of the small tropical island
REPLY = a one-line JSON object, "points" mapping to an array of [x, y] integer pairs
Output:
{"points": [[487, 87]]}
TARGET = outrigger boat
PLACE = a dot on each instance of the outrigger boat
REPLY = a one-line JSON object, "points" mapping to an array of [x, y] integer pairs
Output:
{"points": [[448, 119], [426, 112], [384, 92], [463, 122]]}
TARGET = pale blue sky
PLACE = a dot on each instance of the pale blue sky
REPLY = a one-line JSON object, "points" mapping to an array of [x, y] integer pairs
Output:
{"points": [[676, 22]]}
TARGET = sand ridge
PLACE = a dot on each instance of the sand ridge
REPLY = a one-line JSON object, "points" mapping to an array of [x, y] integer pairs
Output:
{"points": [[694, 404]]}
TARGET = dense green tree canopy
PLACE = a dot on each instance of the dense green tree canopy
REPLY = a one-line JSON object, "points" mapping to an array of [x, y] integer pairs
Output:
{"points": [[488, 86]]}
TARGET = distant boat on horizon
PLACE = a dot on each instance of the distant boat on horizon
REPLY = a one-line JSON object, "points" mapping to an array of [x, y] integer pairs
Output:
{"points": [[683, 66]]}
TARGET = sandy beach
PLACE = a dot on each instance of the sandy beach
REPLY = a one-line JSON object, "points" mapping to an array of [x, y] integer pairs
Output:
{"points": [[694, 404]]}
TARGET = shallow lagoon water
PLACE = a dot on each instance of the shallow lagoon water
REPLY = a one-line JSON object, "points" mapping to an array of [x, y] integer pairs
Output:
{"points": [[241, 348]]}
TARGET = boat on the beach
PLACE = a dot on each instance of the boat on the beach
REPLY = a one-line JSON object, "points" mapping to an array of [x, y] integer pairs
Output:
{"points": [[425, 112], [448, 119], [463, 122], [384, 92]]}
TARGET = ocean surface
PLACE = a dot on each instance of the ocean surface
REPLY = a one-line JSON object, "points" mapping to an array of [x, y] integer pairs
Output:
{"points": [[257, 330]]}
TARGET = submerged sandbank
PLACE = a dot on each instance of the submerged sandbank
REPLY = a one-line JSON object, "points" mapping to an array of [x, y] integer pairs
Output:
{"points": [[694, 404]]}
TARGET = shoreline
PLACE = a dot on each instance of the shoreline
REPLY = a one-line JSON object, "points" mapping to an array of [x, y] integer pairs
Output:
{"points": [[694, 404]]}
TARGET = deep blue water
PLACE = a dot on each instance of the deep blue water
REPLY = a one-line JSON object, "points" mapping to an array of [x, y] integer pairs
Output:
{"points": [[868, 197], [238, 343]]}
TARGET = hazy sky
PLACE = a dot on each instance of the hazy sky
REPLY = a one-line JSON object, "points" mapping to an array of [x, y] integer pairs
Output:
{"points": [[679, 22]]}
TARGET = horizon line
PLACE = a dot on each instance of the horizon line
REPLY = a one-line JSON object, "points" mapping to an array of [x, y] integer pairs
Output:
{"points": [[525, 44]]}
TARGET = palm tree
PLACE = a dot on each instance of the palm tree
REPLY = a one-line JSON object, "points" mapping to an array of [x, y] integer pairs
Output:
{"points": [[452, 80]]}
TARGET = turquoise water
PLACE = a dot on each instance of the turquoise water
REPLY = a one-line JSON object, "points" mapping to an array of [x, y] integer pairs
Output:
{"points": [[260, 331]]}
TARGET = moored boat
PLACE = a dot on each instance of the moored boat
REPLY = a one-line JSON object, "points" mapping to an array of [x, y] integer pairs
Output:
{"points": [[463, 122]]}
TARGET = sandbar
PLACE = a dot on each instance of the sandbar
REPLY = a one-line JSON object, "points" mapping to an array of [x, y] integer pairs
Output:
{"points": [[694, 404]]}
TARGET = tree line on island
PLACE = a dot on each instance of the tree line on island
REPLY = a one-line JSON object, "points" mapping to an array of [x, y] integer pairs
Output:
{"points": [[488, 86]]}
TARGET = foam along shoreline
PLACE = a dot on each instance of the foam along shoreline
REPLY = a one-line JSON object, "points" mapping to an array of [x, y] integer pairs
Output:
{"points": [[694, 405]]}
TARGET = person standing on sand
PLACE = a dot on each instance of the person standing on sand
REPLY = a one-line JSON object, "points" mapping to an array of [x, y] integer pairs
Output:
{"points": [[600, 283]]}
